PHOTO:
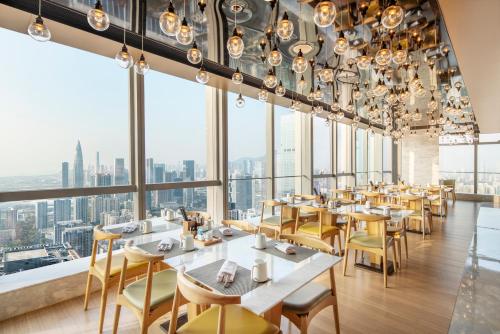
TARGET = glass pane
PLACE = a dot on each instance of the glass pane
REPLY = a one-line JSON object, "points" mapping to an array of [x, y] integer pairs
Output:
{"points": [[457, 163], [117, 10], [72, 131], [190, 198], [323, 185], [489, 137], [361, 157], [287, 185], [387, 152], [343, 148], [322, 146], [345, 181], [286, 127], [245, 197], [375, 157], [56, 230], [176, 134], [488, 169]]}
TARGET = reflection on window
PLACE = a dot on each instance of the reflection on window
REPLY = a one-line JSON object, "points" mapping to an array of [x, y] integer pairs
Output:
{"points": [[322, 146], [39, 233], [157, 201], [457, 163], [176, 132], [67, 134]]}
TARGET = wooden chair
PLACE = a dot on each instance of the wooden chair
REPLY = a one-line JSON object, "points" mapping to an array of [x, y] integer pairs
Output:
{"points": [[202, 214], [213, 320], [107, 269], [301, 306], [373, 239], [437, 201], [148, 298], [450, 183], [372, 196], [287, 218], [307, 216], [325, 227], [242, 225], [416, 203], [398, 232], [343, 193]]}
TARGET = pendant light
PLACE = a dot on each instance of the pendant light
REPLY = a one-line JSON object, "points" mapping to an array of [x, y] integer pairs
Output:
{"points": [[392, 15], [235, 44], [326, 74], [341, 44], [324, 13], [363, 61], [280, 89], [123, 58], [202, 75], [141, 66], [299, 64], [170, 22], [185, 35], [37, 29], [240, 101], [194, 55], [310, 96], [270, 80], [318, 94], [98, 18], [301, 84], [399, 56], [263, 94], [284, 28], [275, 57], [237, 77], [384, 55]]}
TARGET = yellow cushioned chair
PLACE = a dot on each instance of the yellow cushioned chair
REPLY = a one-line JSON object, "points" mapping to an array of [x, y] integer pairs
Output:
{"points": [[416, 203], [213, 320], [324, 228], [287, 218]]}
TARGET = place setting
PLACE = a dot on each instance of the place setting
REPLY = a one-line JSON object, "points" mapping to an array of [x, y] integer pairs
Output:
{"points": [[282, 250]]}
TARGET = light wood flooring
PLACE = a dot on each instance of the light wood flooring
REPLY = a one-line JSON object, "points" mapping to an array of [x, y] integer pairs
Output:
{"points": [[420, 298]]}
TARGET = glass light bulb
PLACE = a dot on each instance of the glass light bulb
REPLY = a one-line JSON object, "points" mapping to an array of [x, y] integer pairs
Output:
{"points": [[399, 57], [335, 106], [285, 28], [318, 95], [301, 83], [275, 57], [280, 89], [326, 74], [237, 77], [417, 116], [299, 64], [270, 80], [202, 76], [98, 18], [38, 30], [392, 17], [363, 61], [311, 95], [141, 66], [263, 95], [383, 56], [339, 115], [381, 89], [194, 55], [124, 58], [185, 35], [170, 22], [432, 104], [235, 45], [357, 94], [341, 44], [324, 13], [240, 101]]}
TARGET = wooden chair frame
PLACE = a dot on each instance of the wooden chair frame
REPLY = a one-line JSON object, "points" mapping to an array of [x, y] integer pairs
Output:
{"points": [[321, 213], [302, 321], [242, 225], [278, 229], [371, 219], [413, 202]]}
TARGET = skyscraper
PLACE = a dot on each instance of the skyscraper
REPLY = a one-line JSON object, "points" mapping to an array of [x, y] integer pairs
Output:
{"points": [[286, 158], [62, 210], [81, 209], [65, 174], [150, 170], [78, 167], [41, 214], [103, 179], [119, 172], [11, 218], [188, 170], [97, 162], [80, 239], [59, 228]]}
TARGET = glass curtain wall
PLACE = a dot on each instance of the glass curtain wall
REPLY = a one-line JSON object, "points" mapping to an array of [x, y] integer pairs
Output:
{"points": [[345, 175], [323, 177], [375, 158], [457, 162], [387, 160], [361, 157]]}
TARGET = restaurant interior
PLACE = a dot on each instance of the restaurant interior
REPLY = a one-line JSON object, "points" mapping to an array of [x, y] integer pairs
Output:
{"points": [[249, 166]]}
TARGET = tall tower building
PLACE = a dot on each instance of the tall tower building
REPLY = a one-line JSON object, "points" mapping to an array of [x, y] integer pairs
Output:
{"points": [[11, 218], [119, 172], [81, 209], [150, 170], [188, 170], [102, 179], [59, 228], [65, 174], [41, 214], [97, 162], [78, 167], [80, 239], [62, 210], [286, 158]]}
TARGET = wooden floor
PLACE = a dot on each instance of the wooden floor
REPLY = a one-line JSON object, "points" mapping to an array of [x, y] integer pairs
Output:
{"points": [[420, 298]]}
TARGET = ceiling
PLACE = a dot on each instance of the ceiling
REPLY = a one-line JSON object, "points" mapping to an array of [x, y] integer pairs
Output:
{"points": [[473, 27]]}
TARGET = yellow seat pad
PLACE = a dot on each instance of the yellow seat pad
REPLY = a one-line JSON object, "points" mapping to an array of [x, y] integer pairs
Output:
{"points": [[116, 264], [371, 241], [163, 288], [276, 220], [238, 320], [313, 228]]}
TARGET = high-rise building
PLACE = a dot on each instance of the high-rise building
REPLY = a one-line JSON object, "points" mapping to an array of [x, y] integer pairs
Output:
{"points": [[103, 179], [79, 239], [41, 214], [119, 172], [159, 173], [81, 209], [62, 210], [78, 167], [96, 208], [11, 220], [150, 170], [59, 228], [188, 170], [286, 158], [97, 162], [65, 174]]}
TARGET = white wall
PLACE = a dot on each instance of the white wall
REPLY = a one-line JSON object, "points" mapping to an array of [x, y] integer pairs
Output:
{"points": [[420, 160]]}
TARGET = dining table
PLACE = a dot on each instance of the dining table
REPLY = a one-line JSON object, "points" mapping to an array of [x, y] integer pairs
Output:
{"points": [[287, 274]]}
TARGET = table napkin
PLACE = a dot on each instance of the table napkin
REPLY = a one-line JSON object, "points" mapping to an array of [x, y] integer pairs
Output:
{"points": [[228, 268], [285, 248], [166, 244], [129, 228], [226, 231]]}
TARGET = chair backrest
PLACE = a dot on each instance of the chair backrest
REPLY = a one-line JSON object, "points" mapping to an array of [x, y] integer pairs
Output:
{"points": [[242, 225], [190, 291], [270, 203], [310, 242], [101, 235], [412, 202], [448, 183], [375, 224], [325, 217]]}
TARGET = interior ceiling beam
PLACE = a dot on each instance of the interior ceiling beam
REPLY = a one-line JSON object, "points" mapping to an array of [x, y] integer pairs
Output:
{"points": [[67, 16]]}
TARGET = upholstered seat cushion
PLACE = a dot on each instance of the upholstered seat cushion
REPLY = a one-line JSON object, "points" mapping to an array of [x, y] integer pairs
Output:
{"points": [[238, 320], [116, 265], [276, 220], [306, 298], [363, 239], [163, 288], [313, 228]]}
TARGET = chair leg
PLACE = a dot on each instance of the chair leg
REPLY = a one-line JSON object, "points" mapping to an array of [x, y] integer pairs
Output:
{"points": [[340, 244], [406, 246], [117, 318], [303, 325], [336, 317], [395, 258], [346, 254], [400, 254], [87, 292], [102, 311], [384, 262]]}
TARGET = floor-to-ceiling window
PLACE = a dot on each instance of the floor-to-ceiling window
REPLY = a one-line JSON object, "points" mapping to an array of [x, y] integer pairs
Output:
{"points": [[361, 157], [457, 162], [488, 164], [387, 159], [375, 157], [248, 183], [323, 179], [345, 175]]}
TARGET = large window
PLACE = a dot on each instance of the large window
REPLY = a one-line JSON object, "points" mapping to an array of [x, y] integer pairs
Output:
{"points": [[247, 158], [488, 164], [157, 201], [387, 160], [361, 157], [457, 162], [375, 157], [323, 179], [344, 156], [65, 116]]}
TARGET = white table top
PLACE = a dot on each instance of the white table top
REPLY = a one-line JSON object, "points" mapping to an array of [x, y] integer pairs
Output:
{"points": [[395, 214]]}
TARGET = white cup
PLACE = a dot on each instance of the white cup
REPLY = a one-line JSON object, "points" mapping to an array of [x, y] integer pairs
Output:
{"points": [[169, 214], [187, 242], [259, 271], [368, 204], [260, 241], [147, 226]]}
